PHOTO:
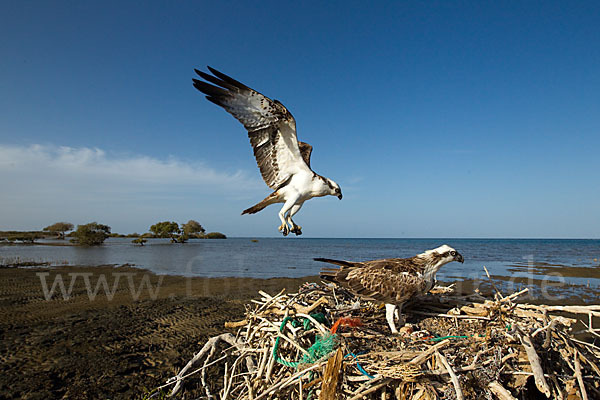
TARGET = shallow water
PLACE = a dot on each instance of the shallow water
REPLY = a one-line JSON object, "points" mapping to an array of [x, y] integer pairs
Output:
{"points": [[293, 257]]}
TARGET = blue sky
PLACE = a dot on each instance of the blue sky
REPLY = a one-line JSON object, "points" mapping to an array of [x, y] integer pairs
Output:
{"points": [[437, 119]]}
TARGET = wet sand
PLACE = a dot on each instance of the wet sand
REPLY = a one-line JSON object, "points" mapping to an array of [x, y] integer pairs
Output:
{"points": [[111, 348]]}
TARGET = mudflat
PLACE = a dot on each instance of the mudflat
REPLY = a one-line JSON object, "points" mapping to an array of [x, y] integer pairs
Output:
{"points": [[110, 332]]}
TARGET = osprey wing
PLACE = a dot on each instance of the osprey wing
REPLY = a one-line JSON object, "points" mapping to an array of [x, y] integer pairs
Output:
{"points": [[384, 285], [271, 127], [306, 151], [392, 281]]}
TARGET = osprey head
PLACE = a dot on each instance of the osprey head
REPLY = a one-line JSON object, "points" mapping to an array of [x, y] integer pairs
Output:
{"points": [[334, 188], [445, 254]]}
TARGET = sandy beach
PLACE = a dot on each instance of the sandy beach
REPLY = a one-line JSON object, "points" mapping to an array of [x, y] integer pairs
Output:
{"points": [[118, 345]]}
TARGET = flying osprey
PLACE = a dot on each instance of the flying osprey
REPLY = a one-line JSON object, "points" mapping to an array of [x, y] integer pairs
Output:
{"points": [[392, 281], [284, 162]]}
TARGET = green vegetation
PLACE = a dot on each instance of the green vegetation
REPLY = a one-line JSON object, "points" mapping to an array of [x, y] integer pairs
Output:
{"points": [[139, 241], [190, 230], [59, 229], [25, 237], [95, 234], [91, 234], [166, 229], [215, 235], [193, 229]]}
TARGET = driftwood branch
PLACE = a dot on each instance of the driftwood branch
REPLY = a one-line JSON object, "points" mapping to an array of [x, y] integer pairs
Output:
{"points": [[499, 391], [536, 366], [453, 377]]}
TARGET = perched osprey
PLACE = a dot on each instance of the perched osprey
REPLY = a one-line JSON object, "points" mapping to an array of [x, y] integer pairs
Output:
{"points": [[284, 162], [392, 281]]}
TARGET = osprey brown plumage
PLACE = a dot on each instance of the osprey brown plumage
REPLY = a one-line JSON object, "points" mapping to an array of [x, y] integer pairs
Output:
{"points": [[392, 281]]}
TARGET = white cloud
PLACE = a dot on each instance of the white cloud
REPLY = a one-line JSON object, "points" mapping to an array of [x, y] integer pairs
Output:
{"points": [[40, 183], [85, 163]]}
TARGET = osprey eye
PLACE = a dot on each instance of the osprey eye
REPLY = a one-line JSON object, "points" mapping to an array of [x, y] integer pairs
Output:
{"points": [[453, 253]]}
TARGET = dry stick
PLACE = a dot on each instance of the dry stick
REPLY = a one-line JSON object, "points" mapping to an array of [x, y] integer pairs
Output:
{"points": [[579, 377], [285, 337], [314, 321], [291, 379], [203, 375], [499, 391], [309, 309], [585, 343], [331, 376], [453, 377], [249, 386], [262, 363], [173, 380], [271, 362], [558, 390], [211, 343], [270, 301], [594, 366], [227, 388], [370, 382], [593, 309], [588, 330], [371, 390], [493, 284], [536, 366], [514, 295], [236, 324], [449, 315], [544, 328], [418, 360]]}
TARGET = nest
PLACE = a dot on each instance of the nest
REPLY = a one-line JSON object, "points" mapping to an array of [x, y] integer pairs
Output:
{"points": [[324, 343]]}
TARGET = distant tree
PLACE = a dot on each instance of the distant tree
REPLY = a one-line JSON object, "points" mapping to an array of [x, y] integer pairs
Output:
{"points": [[166, 229], [60, 228], [91, 234], [139, 241], [215, 235], [193, 229], [19, 236], [182, 238]]}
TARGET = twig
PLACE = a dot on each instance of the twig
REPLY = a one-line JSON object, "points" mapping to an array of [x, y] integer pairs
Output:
{"points": [[499, 391], [371, 390], [579, 377], [536, 366], [418, 360], [493, 284], [448, 315], [453, 377], [282, 384]]}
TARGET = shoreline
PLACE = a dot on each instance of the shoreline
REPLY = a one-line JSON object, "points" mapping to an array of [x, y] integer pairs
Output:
{"points": [[115, 345]]}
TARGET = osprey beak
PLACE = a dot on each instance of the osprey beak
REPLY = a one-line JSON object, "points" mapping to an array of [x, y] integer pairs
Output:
{"points": [[458, 257], [340, 196]]}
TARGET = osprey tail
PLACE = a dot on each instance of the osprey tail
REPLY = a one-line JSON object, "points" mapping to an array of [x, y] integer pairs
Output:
{"points": [[331, 274], [267, 201]]}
